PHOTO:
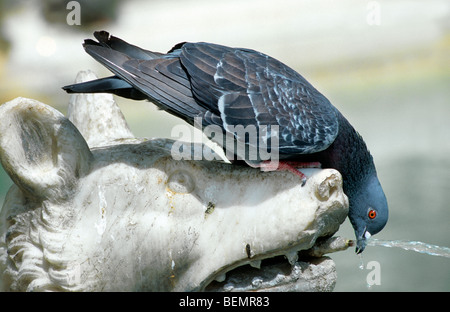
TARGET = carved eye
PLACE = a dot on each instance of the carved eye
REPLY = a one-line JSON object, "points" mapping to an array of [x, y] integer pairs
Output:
{"points": [[372, 214]]}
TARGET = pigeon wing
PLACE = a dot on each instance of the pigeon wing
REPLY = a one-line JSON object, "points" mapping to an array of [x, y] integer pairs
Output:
{"points": [[227, 87], [245, 87]]}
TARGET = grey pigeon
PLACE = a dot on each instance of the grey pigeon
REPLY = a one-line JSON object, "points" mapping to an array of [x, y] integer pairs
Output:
{"points": [[233, 86]]}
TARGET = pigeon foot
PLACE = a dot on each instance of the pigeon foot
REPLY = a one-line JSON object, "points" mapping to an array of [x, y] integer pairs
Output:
{"points": [[292, 166]]}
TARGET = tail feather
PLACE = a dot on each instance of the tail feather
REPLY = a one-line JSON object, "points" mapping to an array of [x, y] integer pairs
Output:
{"points": [[113, 85], [119, 45], [141, 74]]}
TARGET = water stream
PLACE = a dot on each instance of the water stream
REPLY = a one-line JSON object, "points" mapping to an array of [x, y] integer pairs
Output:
{"points": [[416, 246], [420, 247]]}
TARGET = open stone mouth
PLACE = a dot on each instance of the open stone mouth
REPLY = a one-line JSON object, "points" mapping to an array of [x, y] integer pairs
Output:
{"points": [[304, 270]]}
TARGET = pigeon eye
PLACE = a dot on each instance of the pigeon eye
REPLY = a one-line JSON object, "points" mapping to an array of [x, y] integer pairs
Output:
{"points": [[372, 214]]}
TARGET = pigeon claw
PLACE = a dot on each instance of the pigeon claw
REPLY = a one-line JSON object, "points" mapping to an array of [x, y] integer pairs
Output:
{"points": [[304, 180], [293, 167]]}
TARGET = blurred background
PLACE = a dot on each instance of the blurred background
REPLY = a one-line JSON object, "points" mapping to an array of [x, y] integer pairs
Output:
{"points": [[384, 64]]}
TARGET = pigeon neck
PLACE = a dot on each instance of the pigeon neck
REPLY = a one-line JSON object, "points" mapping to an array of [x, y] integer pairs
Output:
{"points": [[349, 145]]}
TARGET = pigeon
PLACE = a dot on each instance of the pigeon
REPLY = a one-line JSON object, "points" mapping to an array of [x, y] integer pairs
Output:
{"points": [[225, 87]]}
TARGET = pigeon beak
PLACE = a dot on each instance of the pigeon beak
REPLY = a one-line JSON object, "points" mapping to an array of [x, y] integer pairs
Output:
{"points": [[361, 242]]}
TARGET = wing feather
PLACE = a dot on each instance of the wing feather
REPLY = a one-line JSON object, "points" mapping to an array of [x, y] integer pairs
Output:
{"points": [[251, 88], [226, 86]]}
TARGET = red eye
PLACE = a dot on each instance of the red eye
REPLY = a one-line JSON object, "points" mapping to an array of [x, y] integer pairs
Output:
{"points": [[372, 214]]}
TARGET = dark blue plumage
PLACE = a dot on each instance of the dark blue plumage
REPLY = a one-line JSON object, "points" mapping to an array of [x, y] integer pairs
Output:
{"points": [[226, 87]]}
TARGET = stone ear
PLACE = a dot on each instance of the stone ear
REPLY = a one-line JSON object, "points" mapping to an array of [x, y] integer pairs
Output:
{"points": [[41, 150]]}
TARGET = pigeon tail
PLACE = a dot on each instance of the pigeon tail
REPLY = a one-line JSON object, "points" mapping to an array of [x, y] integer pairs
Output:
{"points": [[113, 85]]}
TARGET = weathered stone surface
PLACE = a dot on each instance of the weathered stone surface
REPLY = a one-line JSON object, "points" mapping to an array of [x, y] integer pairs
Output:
{"points": [[122, 214]]}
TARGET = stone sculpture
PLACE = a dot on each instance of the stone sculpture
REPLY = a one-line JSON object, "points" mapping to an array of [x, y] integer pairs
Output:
{"points": [[94, 209]]}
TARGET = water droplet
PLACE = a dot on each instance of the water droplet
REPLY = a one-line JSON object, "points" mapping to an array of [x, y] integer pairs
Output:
{"points": [[361, 262]]}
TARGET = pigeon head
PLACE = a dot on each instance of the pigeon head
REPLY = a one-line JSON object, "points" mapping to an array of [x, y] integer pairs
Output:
{"points": [[369, 211]]}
